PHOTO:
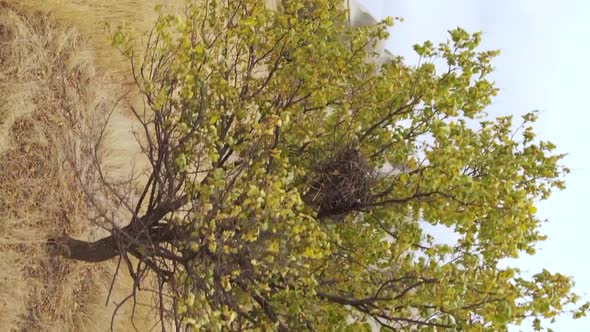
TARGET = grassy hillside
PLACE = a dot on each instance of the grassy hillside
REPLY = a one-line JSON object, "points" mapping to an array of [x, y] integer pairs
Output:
{"points": [[59, 77], [90, 17]]}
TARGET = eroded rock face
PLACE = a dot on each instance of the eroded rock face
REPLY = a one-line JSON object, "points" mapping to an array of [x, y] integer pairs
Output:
{"points": [[359, 16]]}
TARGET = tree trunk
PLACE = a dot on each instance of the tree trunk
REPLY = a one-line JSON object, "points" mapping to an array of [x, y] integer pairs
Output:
{"points": [[107, 248], [92, 252]]}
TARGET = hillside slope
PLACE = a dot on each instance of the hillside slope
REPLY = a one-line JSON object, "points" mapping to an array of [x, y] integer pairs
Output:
{"points": [[56, 86]]}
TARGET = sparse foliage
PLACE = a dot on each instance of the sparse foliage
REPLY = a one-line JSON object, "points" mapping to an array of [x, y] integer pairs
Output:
{"points": [[262, 127]]}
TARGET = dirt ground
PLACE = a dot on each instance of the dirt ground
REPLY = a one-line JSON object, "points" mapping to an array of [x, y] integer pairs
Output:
{"points": [[59, 76]]}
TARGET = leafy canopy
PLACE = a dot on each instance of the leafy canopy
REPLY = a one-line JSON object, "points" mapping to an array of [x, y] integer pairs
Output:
{"points": [[245, 107]]}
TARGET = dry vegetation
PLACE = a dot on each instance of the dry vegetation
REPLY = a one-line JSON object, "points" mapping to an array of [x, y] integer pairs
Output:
{"points": [[51, 97], [91, 17]]}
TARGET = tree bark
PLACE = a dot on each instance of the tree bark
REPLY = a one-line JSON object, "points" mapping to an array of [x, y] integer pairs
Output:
{"points": [[91, 252], [107, 248]]}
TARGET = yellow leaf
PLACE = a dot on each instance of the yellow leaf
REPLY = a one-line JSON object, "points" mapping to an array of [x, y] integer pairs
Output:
{"points": [[195, 246]]}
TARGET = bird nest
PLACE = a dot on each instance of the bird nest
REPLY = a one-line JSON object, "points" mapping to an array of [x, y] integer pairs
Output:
{"points": [[341, 184]]}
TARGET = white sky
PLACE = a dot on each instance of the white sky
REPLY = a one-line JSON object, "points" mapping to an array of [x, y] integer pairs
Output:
{"points": [[544, 66]]}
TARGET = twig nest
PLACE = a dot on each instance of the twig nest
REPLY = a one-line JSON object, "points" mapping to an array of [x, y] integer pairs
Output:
{"points": [[341, 184]]}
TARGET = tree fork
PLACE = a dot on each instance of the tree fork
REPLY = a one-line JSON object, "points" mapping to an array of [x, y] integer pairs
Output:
{"points": [[107, 247]]}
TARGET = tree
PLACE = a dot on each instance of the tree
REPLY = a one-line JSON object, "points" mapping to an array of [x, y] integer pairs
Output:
{"points": [[290, 177]]}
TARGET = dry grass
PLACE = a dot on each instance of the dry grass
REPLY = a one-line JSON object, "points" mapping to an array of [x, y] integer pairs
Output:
{"points": [[90, 18], [50, 97]]}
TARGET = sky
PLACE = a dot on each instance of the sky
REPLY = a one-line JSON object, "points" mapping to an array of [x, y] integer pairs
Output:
{"points": [[542, 66]]}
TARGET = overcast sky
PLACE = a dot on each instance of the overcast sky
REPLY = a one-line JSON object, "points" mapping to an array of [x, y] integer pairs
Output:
{"points": [[544, 66]]}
